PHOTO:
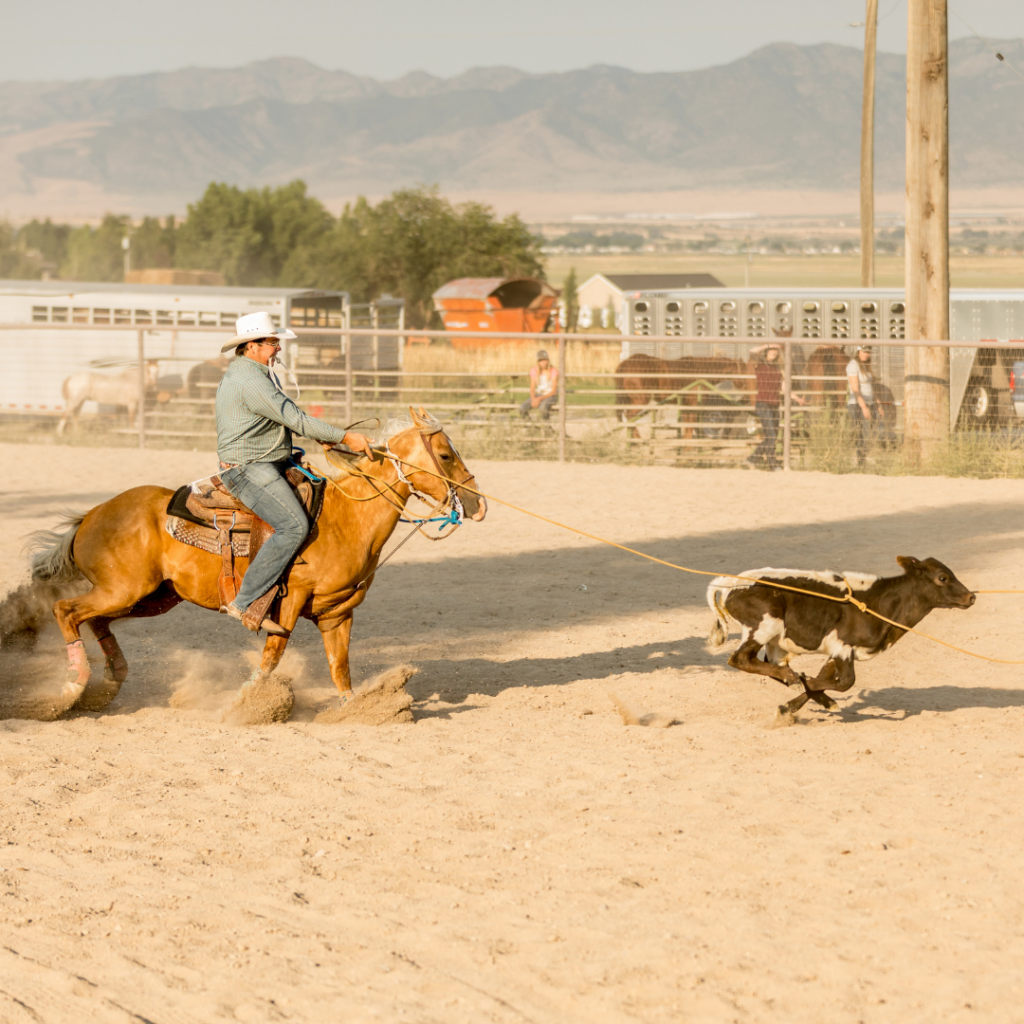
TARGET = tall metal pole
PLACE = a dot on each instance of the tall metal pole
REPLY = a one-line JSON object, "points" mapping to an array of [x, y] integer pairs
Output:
{"points": [[926, 399], [561, 398], [867, 151], [140, 413], [350, 417], [787, 404]]}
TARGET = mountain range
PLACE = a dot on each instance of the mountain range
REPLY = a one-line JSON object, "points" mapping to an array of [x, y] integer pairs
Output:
{"points": [[783, 116]]}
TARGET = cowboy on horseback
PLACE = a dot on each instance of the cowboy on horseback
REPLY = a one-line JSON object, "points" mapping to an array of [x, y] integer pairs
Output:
{"points": [[255, 423]]}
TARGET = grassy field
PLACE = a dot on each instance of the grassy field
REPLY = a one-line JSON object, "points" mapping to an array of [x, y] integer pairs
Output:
{"points": [[783, 271]]}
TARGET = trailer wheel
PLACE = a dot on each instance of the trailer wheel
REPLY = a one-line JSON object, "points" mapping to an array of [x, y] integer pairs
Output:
{"points": [[979, 404]]}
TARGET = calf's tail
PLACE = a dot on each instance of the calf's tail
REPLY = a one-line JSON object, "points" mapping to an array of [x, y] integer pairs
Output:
{"points": [[720, 630]]}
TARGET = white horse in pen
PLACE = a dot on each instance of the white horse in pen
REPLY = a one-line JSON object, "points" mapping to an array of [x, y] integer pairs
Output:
{"points": [[121, 389]]}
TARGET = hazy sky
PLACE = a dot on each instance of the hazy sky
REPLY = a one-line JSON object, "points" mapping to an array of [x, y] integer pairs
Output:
{"points": [[69, 39]]}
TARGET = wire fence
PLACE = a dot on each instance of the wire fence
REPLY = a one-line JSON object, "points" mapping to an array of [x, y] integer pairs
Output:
{"points": [[122, 385]]}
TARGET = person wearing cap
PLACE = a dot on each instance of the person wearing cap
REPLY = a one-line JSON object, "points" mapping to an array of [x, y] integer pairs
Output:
{"points": [[860, 399], [768, 396], [255, 424], [543, 388]]}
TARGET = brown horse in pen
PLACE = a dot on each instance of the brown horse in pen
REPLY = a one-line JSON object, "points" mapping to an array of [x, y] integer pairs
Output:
{"points": [[826, 361], [641, 379], [137, 569]]}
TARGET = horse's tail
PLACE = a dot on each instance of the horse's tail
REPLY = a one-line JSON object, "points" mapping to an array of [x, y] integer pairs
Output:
{"points": [[53, 560]]}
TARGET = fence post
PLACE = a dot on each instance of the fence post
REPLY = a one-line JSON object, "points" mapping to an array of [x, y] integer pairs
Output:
{"points": [[787, 403], [140, 413], [349, 397], [561, 398]]}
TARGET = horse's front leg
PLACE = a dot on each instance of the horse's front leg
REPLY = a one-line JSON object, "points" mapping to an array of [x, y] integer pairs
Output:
{"points": [[337, 634]]}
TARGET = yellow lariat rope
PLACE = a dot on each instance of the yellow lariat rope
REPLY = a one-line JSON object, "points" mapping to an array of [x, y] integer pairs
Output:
{"points": [[846, 598]]}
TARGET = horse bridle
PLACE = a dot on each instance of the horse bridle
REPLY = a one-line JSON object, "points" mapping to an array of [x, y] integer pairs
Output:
{"points": [[452, 499]]}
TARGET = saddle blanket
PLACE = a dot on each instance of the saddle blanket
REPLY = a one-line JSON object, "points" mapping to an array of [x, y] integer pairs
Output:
{"points": [[206, 538]]}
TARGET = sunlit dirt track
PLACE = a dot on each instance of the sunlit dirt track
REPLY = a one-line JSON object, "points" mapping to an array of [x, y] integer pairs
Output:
{"points": [[517, 853]]}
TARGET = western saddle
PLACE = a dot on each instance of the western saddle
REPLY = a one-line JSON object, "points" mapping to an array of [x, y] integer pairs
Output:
{"points": [[206, 515]]}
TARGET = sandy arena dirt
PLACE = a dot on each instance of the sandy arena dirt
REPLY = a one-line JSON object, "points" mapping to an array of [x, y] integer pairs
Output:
{"points": [[516, 852]]}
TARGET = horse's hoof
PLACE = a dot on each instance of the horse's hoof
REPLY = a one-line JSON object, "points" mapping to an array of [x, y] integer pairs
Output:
{"points": [[97, 696], [115, 670]]}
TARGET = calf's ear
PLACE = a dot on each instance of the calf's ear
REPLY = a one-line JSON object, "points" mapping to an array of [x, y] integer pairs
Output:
{"points": [[907, 562]]}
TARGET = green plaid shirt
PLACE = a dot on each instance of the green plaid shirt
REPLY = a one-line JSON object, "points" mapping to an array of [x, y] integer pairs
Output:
{"points": [[256, 419]]}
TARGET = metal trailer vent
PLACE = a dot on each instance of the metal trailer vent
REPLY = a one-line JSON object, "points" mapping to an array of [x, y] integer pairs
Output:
{"points": [[783, 318], [675, 319], [756, 320], [643, 318], [868, 320], [810, 320], [728, 318], [896, 325], [839, 320], [701, 319]]}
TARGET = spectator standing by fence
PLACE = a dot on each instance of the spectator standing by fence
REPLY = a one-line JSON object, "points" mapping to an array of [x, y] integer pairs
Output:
{"points": [[860, 399], [543, 388], [768, 381]]}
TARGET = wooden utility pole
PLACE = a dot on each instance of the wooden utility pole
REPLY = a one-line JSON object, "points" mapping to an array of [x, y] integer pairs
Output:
{"points": [[926, 399], [867, 151]]}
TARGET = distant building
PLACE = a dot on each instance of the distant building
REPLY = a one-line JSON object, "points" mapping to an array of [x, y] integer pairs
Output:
{"points": [[173, 276], [602, 297]]}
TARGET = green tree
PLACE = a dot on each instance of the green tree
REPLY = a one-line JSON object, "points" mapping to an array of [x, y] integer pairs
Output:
{"points": [[96, 254], [415, 240], [45, 241], [221, 233], [153, 243], [572, 309], [254, 237]]}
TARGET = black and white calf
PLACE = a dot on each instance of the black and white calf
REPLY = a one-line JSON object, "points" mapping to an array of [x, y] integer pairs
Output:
{"points": [[776, 624]]}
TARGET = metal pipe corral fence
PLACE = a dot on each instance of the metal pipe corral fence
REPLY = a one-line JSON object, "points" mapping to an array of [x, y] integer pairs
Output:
{"points": [[695, 409]]}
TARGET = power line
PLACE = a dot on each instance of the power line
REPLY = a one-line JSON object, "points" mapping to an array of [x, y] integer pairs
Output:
{"points": [[984, 43]]}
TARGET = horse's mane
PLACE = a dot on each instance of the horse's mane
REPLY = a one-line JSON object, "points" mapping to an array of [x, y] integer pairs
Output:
{"points": [[392, 428]]}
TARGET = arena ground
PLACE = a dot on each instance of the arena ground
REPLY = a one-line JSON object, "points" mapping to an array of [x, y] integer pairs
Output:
{"points": [[518, 853]]}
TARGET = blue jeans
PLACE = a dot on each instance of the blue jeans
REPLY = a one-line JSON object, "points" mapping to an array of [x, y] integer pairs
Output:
{"points": [[544, 408], [768, 414], [863, 430], [262, 487]]}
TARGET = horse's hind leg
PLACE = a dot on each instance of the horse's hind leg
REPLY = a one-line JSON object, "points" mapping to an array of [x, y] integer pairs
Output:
{"points": [[115, 668], [70, 615]]}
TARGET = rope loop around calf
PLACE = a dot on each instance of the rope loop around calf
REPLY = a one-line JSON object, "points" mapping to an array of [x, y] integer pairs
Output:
{"points": [[847, 598]]}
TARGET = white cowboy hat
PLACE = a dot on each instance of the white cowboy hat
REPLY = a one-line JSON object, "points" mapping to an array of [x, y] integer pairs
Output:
{"points": [[254, 326]]}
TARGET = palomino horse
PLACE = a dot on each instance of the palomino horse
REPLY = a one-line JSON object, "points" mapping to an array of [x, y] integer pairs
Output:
{"points": [[137, 569], [120, 389], [640, 378]]}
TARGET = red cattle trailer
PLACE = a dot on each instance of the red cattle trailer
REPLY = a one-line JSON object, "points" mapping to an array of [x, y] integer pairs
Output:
{"points": [[519, 304]]}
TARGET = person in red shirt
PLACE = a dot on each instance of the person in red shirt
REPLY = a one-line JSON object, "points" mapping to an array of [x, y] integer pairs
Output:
{"points": [[768, 380]]}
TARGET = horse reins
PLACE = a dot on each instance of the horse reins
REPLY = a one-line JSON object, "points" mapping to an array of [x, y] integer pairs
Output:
{"points": [[451, 499]]}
